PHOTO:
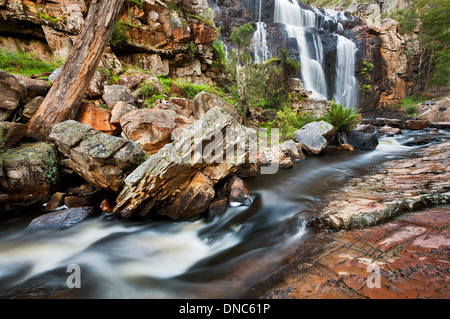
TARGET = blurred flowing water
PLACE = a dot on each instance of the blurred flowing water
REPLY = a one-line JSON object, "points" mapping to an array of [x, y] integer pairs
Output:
{"points": [[219, 258]]}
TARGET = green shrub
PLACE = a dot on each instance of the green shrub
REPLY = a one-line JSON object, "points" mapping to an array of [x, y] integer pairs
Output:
{"points": [[190, 90], [342, 118], [118, 36], [26, 64]]}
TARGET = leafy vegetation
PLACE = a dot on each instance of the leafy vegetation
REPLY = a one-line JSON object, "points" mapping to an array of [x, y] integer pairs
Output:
{"points": [[119, 36], [411, 107], [344, 119], [23, 63]]}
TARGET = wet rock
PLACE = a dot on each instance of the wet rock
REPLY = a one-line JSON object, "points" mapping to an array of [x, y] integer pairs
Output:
{"points": [[55, 201], [101, 159], [29, 174], [204, 101], [217, 207], [389, 130], [440, 125], [106, 206], [10, 134], [388, 122], [62, 219], [12, 93], [238, 192], [422, 141], [365, 128], [416, 124], [150, 128], [314, 136], [248, 170], [361, 140], [398, 186], [168, 182], [117, 93]]}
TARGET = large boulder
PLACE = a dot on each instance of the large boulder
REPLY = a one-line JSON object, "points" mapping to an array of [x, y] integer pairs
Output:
{"points": [[99, 158], [11, 92], [34, 87], [28, 175], [116, 93], [96, 117], [205, 101], [178, 182], [62, 219], [362, 140], [438, 113], [314, 136], [10, 134], [151, 128]]}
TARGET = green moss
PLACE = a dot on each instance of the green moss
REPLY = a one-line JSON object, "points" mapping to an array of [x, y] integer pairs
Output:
{"points": [[26, 64]]}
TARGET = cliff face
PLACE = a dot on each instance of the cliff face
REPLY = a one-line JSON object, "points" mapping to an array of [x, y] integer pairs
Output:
{"points": [[172, 37]]}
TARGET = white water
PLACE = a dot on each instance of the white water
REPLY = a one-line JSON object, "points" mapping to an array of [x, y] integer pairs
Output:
{"points": [[346, 82], [262, 53], [302, 24]]}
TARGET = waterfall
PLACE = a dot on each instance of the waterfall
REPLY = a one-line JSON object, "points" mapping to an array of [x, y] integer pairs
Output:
{"points": [[262, 53], [346, 83], [303, 25]]}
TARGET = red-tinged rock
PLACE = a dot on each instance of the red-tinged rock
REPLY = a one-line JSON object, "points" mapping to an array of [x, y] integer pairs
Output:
{"points": [[390, 130], [55, 201], [132, 78], [106, 207], [75, 201], [416, 124], [150, 128], [203, 33], [184, 103], [96, 117], [120, 109], [238, 191]]}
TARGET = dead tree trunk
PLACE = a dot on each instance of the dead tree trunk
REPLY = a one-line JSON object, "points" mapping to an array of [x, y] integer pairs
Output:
{"points": [[64, 98]]}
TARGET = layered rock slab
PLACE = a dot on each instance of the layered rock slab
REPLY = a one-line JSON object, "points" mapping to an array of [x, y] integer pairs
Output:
{"points": [[178, 181], [397, 186], [99, 158]]}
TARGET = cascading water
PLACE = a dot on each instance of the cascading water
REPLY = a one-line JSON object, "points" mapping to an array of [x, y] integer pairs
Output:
{"points": [[303, 25], [346, 82], [262, 53]]}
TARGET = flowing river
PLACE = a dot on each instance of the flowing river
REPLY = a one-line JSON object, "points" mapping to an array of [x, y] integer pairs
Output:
{"points": [[219, 258]]}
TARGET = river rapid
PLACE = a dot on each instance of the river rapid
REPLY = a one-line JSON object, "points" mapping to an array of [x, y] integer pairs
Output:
{"points": [[223, 257]]}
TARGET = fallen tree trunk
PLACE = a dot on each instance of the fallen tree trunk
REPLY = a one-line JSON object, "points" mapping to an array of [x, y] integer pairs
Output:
{"points": [[64, 98]]}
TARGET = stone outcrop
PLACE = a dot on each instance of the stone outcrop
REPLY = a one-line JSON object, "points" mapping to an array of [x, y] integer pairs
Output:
{"points": [[29, 174], [438, 113], [12, 93], [100, 159], [204, 101], [178, 182], [314, 136], [150, 128], [62, 219], [392, 78], [397, 186]]}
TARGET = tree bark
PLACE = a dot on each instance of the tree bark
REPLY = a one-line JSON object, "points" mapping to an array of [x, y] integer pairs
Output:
{"points": [[64, 98]]}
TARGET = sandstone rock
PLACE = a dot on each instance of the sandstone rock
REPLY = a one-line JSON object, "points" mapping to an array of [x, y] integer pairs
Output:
{"points": [[195, 6], [120, 109], [314, 136], [96, 117], [398, 186], [151, 128], [363, 141], [389, 122], [11, 92], [390, 130], [416, 124], [131, 78], [96, 86], [203, 33], [28, 174], [10, 134], [217, 207], [365, 128], [117, 93], [204, 101], [184, 103], [101, 159], [440, 125], [438, 113], [62, 219], [76, 201], [33, 87], [106, 207], [167, 180], [238, 192], [423, 140], [55, 201], [30, 108], [292, 149]]}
